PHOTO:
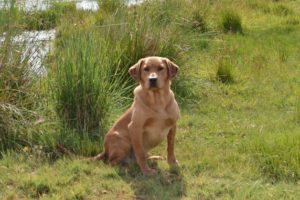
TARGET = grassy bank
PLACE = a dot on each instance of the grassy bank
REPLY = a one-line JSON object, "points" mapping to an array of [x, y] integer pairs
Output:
{"points": [[238, 88]]}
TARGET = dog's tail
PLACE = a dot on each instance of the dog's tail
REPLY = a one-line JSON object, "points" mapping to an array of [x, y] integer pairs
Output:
{"points": [[102, 156]]}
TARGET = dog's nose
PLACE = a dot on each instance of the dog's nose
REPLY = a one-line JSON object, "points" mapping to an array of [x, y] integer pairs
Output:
{"points": [[153, 82]]}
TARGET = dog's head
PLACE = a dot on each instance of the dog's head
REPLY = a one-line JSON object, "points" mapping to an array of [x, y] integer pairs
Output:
{"points": [[154, 72]]}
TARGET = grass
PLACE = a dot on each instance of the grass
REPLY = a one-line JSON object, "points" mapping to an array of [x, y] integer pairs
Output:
{"points": [[48, 19], [16, 94], [224, 72], [34, 19], [274, 158], [231, 22], [236, 139], [85, 85]]}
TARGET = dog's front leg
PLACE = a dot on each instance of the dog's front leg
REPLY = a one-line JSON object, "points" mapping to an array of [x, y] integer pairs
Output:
{"points": [[171, 141], [136, 136]]}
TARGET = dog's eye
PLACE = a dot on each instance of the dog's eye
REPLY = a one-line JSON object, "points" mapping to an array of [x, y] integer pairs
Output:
{"points": [[146, 69], [160, 68]]}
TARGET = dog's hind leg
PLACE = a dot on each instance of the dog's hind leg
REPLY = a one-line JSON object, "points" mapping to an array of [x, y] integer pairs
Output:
{"points": [[116, 157]]}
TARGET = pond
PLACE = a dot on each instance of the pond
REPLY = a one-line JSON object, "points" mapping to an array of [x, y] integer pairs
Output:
{"points": [[44, 4]]}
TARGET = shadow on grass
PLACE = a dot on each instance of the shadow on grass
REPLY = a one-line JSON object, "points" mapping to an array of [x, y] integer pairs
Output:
{"points": [[165, 185]]}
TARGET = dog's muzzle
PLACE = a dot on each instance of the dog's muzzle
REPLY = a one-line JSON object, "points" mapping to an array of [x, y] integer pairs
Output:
{"points": [[153, 82]]}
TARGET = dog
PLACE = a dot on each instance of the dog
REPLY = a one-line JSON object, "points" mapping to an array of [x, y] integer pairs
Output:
{"points": [[151, 118]]}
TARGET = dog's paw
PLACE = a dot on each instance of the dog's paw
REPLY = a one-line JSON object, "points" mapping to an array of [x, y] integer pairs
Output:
{"points": [[173, 161], [175, 169], [149, 172]]}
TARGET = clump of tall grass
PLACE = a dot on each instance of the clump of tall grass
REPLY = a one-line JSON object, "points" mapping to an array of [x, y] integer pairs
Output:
{"points": [[231, 22], [277, 154], [224, 72], [85, 84]]}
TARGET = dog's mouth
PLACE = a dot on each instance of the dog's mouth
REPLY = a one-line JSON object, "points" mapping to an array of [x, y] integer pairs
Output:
{"points": [[152, 86]]}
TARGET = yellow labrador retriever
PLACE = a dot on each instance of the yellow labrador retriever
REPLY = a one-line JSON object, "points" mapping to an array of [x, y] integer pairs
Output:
{"points": [[151, 118]]}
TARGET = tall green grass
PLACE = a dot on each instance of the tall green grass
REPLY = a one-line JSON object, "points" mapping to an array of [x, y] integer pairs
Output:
{"points": [[86, 86], [224, 72], [15, 86], [9, 16]]}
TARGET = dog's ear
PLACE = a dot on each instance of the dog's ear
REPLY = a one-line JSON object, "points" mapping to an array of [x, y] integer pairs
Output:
{"points": [[172, 68], [135, 70]]}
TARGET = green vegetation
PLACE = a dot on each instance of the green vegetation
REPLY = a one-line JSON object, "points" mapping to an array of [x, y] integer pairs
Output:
{"points": [[231, 22], [34, 19], [238, 136], [277, 154], [48, 19], [224, 72], [85, 86]]}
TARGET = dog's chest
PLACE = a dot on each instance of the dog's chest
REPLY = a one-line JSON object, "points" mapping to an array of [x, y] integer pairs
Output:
{"points": [[156, 130]]}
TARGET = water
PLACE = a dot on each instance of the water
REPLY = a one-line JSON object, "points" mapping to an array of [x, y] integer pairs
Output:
{"points": [[87, 5], [30, 5], [37, 44]]}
